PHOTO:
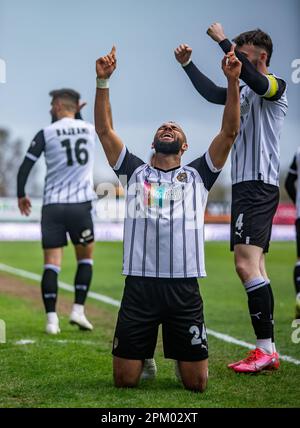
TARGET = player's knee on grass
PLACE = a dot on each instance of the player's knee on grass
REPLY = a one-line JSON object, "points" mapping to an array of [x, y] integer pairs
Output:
{"points": [[126, 372], [194, 375]]}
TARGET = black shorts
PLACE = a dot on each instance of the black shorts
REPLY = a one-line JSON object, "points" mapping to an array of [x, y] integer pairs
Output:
{"points": [[297, 224], [148, 302], [58, 219], [254, 204]]}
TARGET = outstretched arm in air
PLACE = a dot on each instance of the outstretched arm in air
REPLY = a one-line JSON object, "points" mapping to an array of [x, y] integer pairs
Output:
{"points": [[111, 143], [221, 145], [211, 92]]}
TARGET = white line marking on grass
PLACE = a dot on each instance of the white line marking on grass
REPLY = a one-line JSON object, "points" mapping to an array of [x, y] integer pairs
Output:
{"points": [[230, 339], [113, 302], [62, 285], [25, 342], [61, 342], [76, 342]]}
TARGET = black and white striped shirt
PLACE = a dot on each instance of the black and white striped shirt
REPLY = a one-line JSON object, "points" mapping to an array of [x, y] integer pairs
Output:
{"points": [[68, 146], [256, 152], [164, 221]]}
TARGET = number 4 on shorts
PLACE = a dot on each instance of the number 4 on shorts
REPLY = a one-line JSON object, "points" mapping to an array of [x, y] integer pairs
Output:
{"points": [[239, 223]]}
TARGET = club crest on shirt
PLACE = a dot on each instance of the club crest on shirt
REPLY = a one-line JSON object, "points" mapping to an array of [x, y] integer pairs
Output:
{"points": [[182, 177]]}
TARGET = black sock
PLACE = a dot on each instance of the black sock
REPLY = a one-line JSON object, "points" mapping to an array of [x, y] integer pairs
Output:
{"points": [[83, 280], [272, 308], [297, 278], [259, 303], [49, 287]]}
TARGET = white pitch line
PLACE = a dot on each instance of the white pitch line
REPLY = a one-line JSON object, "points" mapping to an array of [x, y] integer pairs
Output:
{"points": [[61, 342], [116, 303], [25, 342], [62, 285]]}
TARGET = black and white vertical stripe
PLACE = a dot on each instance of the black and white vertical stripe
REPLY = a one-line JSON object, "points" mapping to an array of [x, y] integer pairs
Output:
{"points": [[256, 152]]}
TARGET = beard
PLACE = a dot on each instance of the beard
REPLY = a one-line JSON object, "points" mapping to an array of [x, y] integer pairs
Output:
{"points": [[167, 148], [53, 118]]}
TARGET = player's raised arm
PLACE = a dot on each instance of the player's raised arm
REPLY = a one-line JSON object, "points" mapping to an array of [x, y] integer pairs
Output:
{"points": [[262, 83], [110, 141], [221, 145], [211, 92]]}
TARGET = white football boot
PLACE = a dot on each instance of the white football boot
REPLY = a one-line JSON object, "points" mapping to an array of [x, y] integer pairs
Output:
{"points": [[149, 369], [78, 318], [52, 326]]}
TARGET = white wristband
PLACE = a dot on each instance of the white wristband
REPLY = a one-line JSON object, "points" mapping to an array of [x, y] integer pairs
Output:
{"points": [[187, 63], [102, 83]]}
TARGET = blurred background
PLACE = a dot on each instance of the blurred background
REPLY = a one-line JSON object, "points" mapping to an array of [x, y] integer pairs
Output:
{"points": [[48, 45]]}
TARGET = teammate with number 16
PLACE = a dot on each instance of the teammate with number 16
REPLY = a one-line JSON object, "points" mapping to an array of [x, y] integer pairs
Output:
{"points": [[68, 146]]}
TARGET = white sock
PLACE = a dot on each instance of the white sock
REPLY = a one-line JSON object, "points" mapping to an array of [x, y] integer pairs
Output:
{"points": [[298, 296], [79, 309], [265, 345], [274, 347], [52, 318]]}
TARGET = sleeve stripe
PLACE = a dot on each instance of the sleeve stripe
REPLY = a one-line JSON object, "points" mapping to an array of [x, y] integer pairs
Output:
{"points": [[273, 87], [292, 171], [120, 160], [32, 157], [210, 163]]}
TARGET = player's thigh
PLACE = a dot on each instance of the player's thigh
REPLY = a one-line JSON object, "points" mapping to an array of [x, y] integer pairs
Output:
{"points": [[249, 253], [194, 374], [79, 223], [183, 328], [138, 320], [84, 251], [53, 256], [253, 207], [54, 234], [126, 372]]}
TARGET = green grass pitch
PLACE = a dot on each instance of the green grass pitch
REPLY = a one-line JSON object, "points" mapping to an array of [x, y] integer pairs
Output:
{"points": [[74, 369]]}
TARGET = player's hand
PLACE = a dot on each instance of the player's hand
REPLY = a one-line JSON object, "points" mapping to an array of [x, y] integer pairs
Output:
{"points": [[106, 65], [231, 65], [24, 206], [183, 53], [216, 32]]}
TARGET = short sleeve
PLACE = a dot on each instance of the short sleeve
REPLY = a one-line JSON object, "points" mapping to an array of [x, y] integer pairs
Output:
{"points": [[36, 147], [127, 163], [207, 171]]}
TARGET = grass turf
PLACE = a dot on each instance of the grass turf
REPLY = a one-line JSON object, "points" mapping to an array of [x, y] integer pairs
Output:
{"points": [[77, 372]]}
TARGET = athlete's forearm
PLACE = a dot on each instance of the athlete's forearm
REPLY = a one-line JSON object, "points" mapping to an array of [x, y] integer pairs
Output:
{"points": [[103, 115], [253, 78], [22, 176], [211, 92], [290, 186], [231, 115]]}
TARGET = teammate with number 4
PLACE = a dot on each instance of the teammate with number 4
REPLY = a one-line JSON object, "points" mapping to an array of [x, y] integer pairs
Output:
{"points": [[68, 146], [163, 237], [255, 164]]}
